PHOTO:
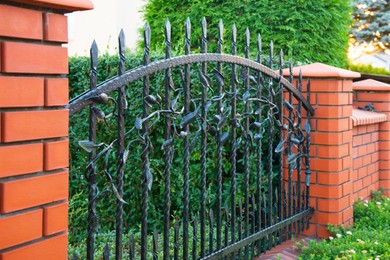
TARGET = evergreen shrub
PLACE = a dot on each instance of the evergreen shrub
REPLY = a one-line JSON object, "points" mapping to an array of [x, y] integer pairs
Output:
{"points": [[307, 31]]}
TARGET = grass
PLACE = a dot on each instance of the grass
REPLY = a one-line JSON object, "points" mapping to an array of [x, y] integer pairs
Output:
{"points": [[368, 238]]}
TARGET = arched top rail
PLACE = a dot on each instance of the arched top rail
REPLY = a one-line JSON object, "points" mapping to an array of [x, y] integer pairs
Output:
{"points": [[78, 103]]}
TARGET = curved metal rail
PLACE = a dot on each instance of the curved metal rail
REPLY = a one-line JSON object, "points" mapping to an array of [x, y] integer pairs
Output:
{"points": [[78, 103]]}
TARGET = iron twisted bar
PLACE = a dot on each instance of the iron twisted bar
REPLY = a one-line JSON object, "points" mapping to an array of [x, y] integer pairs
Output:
{"points": [[261, 234], [233, 142], [146, 174], [91, 171], [155, 244], [298, 191], [169, 148], [219, 147], [259, 143], [121, 126], [307, 166], [78, 103], [280, 174], [211, 231], [247, 142], [270, 145], [289, 151], [204, 148], [187, 97], [195, 238]]}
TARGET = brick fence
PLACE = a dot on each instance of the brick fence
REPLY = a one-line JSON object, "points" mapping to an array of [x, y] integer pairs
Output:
{"points": [[349, 155], [34, 128]]}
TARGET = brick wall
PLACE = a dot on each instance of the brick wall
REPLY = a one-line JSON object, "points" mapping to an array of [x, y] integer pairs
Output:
{"points": [[365, 153], [34, 128], [378, 94]]}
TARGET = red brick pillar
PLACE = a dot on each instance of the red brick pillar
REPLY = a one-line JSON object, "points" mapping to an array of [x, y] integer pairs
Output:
{"points": [[378, 94], [331, 145], [34, 128]]}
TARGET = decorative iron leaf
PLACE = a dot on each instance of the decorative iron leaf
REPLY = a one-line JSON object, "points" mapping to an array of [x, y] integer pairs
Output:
{"points": [[224, 138], [295, 140], [138, 123], [246, 96], [252, 79], [307, 126], [212, 130], [293, 165], [280, 147], [219, 77], [217, 118], [174, 103], [256, 124], [117, 193], [258, 137], [89, 146], [188, 118], [222, 122], [151, 100], [166, 144], [288, 105], [208, 105], [292, 157], [203, 80], [125, 156], [98, 113]]}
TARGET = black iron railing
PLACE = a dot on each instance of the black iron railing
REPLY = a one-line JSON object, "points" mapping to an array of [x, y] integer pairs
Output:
{"points": [[228, 125]]}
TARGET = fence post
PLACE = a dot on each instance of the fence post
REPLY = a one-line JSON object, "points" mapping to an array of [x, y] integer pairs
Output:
{"points": [[34, 128], [378, 94], [331, 145]]}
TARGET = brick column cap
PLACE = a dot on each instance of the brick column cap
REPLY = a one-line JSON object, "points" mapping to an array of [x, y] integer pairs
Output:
{"points": [[362, 117], [320, 70], [66, 5], [370, 84]]}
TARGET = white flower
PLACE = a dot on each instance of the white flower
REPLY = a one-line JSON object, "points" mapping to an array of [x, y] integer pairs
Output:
{"points": [[360, 241], [365, 204], [352, 251], [348, 233], [338, 235], [378, 203], [364, 251], [376, 243], [330, 238]]}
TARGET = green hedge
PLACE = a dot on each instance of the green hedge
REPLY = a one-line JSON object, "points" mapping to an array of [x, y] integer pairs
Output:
{"points": [[308, 31]]}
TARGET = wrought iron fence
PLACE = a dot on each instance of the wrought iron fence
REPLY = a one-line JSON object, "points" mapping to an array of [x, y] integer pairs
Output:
{"points": [[231, 126]]}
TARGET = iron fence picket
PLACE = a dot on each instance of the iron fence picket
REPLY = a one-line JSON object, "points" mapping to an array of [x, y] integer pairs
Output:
{"points": [[91, 170], [169, 148]]}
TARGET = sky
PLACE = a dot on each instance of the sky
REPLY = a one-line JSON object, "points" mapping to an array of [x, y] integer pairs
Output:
{"points": [[103, 24]]}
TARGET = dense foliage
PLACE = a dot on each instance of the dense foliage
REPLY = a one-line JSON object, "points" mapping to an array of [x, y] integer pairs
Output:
{"points": [[308, 31], [368, 239], [369, 69], [371, 23]]}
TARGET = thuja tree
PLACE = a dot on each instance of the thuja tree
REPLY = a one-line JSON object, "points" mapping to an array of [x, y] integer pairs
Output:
{"points": [[371, 23], [307, 31]]}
